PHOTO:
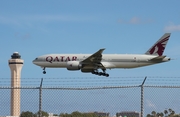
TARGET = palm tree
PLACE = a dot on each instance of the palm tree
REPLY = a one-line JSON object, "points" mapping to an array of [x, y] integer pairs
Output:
{"points": [[170, 110], [177, 115], [172, 113], [148, 115], [158, 114], [161, 114], [165, 112], [153, 113]]}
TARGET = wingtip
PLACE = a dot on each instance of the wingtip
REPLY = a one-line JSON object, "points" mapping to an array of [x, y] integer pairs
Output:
{"points": [[167, 33], [102, 49]]}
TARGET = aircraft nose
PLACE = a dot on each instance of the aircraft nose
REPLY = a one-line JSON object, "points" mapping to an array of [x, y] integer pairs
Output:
{"points": [[35, 61]]}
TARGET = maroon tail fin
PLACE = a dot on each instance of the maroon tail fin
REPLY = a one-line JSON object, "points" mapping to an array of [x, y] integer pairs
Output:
{"points": [[159, 47]]}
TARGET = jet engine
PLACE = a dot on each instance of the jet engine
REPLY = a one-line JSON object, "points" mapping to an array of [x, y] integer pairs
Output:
{"points": [[73, 65]]}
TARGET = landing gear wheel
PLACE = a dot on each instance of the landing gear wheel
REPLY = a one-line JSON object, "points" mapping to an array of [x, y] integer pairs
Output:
{"points": [[104, 73], [44, 72], [107, 75], [100, 73]]}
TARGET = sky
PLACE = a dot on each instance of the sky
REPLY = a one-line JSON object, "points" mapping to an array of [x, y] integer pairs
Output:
{"points": [[34, 28], [39, 27]]}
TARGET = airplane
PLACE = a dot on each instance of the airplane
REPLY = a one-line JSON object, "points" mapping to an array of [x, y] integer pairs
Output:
{"points": [[91, 63]]}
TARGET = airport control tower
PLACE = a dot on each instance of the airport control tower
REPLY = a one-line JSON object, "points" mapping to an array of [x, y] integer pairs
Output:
{"points": [[15, 64]]}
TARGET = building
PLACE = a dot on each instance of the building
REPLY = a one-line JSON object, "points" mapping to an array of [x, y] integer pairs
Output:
{"points": [[128, 114], [15, 64], [100, 114], [52, 115]]}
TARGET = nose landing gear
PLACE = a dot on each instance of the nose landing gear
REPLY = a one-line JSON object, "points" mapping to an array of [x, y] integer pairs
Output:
{"points": [[44, 71]]}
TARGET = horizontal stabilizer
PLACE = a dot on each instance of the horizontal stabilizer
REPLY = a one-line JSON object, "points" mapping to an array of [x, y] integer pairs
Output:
{"points": [[159, 58]]}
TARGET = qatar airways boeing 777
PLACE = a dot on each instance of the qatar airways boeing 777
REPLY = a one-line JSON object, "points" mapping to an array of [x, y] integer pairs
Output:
{"points": [[91, 63]]}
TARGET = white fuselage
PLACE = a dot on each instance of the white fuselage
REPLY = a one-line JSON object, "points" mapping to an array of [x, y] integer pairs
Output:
{"points": [[108, 60], [90, 63]]}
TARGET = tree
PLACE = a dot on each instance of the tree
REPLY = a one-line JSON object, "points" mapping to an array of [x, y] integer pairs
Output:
{"points": [[170, 110], [153, 113], [161, 114], [78, 114], [148, 115], [44, 114], [173, 112], [61, 114], [176, 115], [55, 114], [165, 112], [27, 114]]}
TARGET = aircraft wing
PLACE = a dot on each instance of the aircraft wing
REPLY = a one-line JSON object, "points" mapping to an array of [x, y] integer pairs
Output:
{"points": [[94, 58]]}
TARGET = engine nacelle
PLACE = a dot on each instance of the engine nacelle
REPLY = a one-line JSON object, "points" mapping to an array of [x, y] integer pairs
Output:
{"points": [[73, 65], [86, 70]]}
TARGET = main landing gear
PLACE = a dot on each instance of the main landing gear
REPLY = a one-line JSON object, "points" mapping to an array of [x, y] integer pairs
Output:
{"points": [[100, 73], [44, 71]]}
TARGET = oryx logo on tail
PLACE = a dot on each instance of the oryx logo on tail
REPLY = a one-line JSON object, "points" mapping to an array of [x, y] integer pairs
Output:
{"points": [[159, 47]]}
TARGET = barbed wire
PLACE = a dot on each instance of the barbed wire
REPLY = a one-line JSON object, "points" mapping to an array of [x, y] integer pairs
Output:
{"points": [[87, 88], [94, 81]]}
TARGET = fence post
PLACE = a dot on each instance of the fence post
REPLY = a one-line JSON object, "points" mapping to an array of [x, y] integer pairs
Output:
{"points": [[142, 97], [40, 99]]}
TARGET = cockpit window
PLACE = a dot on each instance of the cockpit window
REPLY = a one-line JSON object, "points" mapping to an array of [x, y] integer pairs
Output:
{"points": [[36, 59]]}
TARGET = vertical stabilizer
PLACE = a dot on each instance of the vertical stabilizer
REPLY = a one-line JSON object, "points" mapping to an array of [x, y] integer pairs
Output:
{"points": [[159, 47]]}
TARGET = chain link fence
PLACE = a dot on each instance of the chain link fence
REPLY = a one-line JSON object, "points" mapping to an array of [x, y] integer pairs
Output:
{"points": [[91, 97]]}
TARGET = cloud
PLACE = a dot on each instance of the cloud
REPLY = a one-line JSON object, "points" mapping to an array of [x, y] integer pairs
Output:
{"points": [[172, 27], [16, 20], [22, 36], [26, 36], [150, 104], [40, 22], [135, 20], [8, 20]]}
